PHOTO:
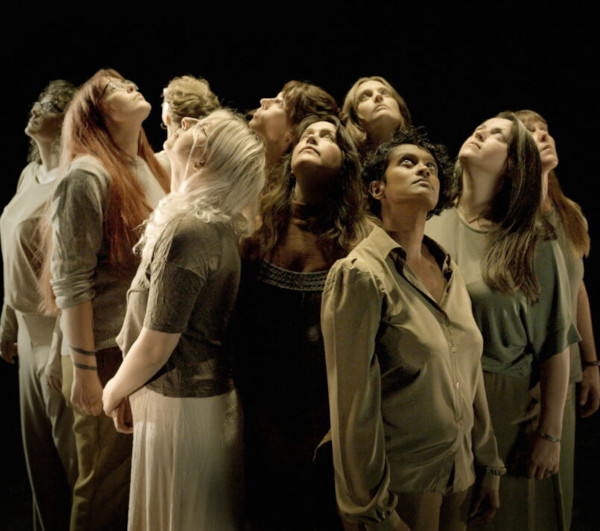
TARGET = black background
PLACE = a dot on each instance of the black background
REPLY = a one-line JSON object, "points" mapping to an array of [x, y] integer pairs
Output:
{"points": [[455, 65]]}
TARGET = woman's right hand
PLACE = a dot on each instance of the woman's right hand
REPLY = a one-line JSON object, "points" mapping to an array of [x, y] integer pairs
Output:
{"points": [[8, 351], [86, 393]]}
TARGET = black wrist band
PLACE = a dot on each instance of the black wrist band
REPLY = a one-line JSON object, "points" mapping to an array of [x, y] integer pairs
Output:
{"points": [[595, 363]]}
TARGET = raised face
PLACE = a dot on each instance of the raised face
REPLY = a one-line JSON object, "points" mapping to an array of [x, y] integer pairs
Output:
{"points": [[375, 103], [317, 151], [411, 178], [45, 120], [186, 148], [487, 148], [270, 120], [123, 103], [545, 144]]}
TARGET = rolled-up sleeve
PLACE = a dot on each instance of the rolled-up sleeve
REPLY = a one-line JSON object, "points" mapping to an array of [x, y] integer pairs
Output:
{"points": [[350, 314], [77, 234]]}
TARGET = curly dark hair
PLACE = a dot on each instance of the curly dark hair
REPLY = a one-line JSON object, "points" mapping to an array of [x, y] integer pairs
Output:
{"points": [[377, 162]]}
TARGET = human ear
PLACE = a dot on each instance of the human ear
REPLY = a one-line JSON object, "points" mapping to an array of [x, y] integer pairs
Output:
{"points": [[377, 189]]}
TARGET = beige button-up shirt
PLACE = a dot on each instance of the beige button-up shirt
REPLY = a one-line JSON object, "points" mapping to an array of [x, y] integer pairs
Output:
{"points": [[408, 406]]}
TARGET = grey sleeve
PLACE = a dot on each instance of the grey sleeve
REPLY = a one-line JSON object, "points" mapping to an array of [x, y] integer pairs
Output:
{"points": [[77, 235]]}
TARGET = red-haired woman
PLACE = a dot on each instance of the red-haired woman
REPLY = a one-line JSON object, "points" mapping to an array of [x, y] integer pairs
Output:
{"points": [[108, 185]]}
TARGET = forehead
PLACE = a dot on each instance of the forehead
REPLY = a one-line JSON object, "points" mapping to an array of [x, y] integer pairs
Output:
{"points": [[410, 149], [371, 84], [321, 126], [492, 123]]}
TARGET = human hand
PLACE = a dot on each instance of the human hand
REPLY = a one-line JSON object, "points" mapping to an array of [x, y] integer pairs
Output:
{"points": [[544, 458], [8, 351], [122, 418], [86, 392], [484, 505], [53, 373], [589, 394]]}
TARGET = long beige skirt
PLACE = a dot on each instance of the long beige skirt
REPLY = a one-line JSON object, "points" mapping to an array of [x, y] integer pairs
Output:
{"points": [[187, 463]]}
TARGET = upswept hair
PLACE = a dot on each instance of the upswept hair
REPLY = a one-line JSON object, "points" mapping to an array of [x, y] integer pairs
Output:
{"points": [[349, 113], [343, 223], [519, 227], [225, 189], [303, 99], [377, 161], [85, 132], [569, 212], [189, 96], [61, 93]]}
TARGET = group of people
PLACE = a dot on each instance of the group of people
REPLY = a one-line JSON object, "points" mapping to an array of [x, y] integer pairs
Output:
{"points": [[306, 316]]}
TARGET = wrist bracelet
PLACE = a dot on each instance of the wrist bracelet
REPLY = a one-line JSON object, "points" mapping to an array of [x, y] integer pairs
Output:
{"points": [[84, 366], [547, 436], [595, 363]]}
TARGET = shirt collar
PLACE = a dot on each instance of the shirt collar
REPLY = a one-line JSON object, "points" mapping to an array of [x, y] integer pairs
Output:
{"points": [[384, 245]]}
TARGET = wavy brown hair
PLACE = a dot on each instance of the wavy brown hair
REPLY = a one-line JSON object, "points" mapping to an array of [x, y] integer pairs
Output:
{"points": [[519, 226], [349, 114], [340, 225], [569, 212]]}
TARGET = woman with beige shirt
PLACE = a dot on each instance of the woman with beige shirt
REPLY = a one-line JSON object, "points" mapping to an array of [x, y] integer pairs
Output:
{"points": [[409, 418]]}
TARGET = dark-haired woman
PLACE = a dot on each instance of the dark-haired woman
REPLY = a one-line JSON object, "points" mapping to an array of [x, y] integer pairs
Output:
{"points": [[312, 216]]}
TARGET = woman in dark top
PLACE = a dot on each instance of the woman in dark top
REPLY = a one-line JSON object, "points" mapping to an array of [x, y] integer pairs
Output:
{"points": [[310, 218]]}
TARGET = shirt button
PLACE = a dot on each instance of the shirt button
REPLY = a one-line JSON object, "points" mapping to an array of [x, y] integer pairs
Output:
{"points": [[452, 348], [458, 385]]}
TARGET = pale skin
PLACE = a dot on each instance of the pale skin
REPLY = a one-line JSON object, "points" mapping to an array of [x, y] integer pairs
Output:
{"points": [[44, 129], [271, 122], [482, 161], [151, 350], [589, 395], [409, 190], [378, 112], [316, 159], [125, 110]]}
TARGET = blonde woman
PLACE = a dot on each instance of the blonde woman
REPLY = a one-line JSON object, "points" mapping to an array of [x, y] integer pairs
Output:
{"points": [[187, 471]]}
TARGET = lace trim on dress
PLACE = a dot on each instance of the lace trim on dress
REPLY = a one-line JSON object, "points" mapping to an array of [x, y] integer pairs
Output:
{"points": [[286, 279]]}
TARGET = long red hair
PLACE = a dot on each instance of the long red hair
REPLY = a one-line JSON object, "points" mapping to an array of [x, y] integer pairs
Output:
{"points": [[85, 132]]}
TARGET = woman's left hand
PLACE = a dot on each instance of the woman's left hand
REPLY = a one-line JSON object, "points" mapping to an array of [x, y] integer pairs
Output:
{"points": [[484, 504], [544, 457], [122, 417], [589, 395]]}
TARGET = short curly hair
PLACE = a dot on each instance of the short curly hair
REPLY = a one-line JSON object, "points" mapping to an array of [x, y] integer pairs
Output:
{"points": [[189, 96], [377, 162]]}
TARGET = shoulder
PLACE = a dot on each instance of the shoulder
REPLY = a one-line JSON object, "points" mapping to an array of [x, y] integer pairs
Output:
{"points": [[28, 174], [83, 172], [190, 235]]}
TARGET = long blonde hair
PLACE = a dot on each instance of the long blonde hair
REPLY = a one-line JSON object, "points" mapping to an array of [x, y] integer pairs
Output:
{"points": [[226, 188]]}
